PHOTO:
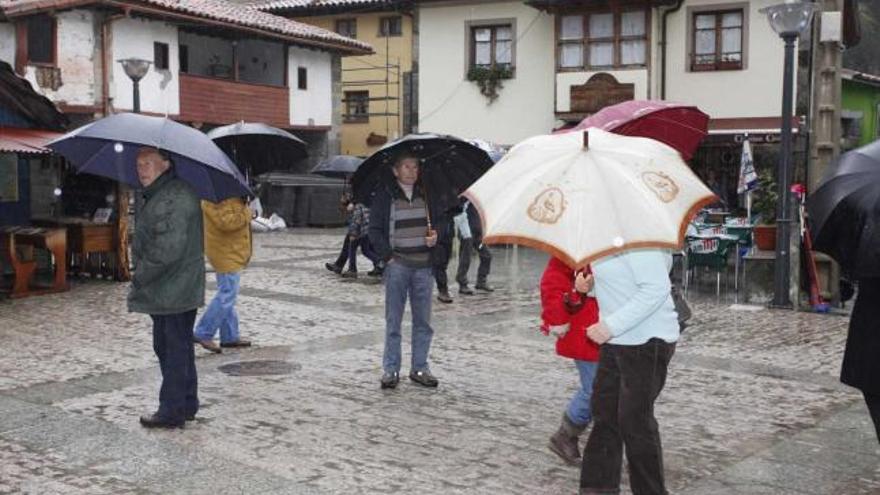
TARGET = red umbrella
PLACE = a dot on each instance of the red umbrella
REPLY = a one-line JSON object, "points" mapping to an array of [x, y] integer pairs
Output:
{"points": [[675, 124]]}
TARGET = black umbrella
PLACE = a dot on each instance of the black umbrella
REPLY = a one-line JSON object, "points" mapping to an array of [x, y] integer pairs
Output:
{"points": [[845, 212], [449, 165], [109, 147], [338, 166], [258, 148]]}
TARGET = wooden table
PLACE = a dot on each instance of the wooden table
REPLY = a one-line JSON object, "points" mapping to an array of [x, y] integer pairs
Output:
{"points": [[53, 240], [84, 237]]}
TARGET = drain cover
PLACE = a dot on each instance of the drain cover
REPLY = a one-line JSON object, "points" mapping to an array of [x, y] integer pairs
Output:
{"points": [[259, 368]]}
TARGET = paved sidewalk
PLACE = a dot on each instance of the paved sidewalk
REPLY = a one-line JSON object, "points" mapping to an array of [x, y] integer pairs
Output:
{"points": [[752, 403]]}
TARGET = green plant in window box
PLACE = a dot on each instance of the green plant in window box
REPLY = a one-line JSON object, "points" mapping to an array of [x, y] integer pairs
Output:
{"points": [[490, 79]]}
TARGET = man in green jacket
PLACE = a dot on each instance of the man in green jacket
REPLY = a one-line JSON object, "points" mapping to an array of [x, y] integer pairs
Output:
{"points": [[169, 283]]}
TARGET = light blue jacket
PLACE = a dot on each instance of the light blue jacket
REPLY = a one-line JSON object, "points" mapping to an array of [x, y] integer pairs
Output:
{"points": [[633, 291]]}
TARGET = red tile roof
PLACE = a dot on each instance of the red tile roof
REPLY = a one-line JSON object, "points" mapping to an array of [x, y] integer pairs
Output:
{"points": [[320, 5], [222, 11], [15, 140]]}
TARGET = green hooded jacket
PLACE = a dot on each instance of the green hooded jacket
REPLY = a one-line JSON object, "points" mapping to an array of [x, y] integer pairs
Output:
{"points": [[168, 250]]}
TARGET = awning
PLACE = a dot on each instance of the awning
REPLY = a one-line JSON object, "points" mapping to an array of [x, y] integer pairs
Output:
{"points": [[16, 140], [750, 125]]}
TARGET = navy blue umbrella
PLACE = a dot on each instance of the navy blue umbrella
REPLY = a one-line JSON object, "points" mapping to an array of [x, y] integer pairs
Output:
{"points": [[109, 147]]}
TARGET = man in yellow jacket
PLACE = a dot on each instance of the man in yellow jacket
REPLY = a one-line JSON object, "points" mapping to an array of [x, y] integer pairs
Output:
{"points": [[228, 247]]}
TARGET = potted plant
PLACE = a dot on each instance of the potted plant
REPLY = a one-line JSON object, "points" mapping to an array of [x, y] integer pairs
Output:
{"points": [[765, 205], [490, 79]]}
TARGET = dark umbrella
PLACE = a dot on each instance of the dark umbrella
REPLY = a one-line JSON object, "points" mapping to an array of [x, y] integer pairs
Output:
{"points": [[258, 148], [338, 166], [449, 165], [108, 147], [845, 212], [678, 125]]}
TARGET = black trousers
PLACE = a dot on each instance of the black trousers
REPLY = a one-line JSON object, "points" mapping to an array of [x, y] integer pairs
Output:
{"points": [[173, 344], [873, 402], [343, 254], [628, 381], [467, 247]]}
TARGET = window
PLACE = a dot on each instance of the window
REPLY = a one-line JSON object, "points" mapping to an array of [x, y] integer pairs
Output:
{"points": [[183, 58], [357, 106], [302, 78], [491, 46], [391, 26], [41, 40], [347, 27], [160, 56], [603, 40], [717, 40]]}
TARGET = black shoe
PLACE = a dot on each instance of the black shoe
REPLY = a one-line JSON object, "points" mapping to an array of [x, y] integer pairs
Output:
{"points": [[155, 421], [333, 267], [350, 274], [190, 417], [424, 378], [236, 343], [444, 297], [375, 272], [390, 379], [465, 290], [483, 286]]}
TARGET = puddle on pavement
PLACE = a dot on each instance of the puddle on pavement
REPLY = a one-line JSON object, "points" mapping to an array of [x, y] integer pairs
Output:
{"points": [[259, 368]]}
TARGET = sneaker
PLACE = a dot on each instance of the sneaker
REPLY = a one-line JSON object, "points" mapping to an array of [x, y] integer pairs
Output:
{"points": [[390, 379], [333, 267], [375, 272], [350, 274], [483, 286], [465, 290], [444, 297], [424, 378], [209, 345]]}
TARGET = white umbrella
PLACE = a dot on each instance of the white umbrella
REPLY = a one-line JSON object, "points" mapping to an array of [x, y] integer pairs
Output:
{"points": [[582, 203]]}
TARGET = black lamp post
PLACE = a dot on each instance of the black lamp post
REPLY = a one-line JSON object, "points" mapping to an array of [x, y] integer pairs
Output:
{"points": [[136, 69], [788, 20]]}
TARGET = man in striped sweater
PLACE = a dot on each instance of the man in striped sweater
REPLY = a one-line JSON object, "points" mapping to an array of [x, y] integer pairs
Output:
{"points": [[401, 234]]}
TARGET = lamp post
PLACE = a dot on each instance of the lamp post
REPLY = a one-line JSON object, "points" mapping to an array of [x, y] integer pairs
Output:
{"points": [[135, 69], [788, 20]]}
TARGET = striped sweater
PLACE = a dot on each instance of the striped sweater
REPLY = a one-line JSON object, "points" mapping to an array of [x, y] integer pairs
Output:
{"points": [[409, 226]]}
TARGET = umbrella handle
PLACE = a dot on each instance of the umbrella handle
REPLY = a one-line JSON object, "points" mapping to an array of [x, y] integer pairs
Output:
{"points": [[427, 207]]}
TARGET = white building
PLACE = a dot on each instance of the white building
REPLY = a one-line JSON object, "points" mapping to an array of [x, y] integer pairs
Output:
{"points": [[213, 62], [568, 59]]}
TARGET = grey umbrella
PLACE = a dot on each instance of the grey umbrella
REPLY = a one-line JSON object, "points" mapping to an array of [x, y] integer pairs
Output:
{"points": [[338, 166]]}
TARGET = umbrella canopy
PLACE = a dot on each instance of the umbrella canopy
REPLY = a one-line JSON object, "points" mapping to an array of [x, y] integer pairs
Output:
{"points": [[676, 124], [449, 165], [845, 212], [582, 203], [259, 148], [338, 166], [494, 151], [109, 147]]}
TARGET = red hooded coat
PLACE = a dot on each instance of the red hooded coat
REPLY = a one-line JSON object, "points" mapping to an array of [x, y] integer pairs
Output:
{"points": [[557, 286]]}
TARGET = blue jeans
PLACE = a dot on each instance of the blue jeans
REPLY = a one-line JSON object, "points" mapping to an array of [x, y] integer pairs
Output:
{"points": [[221, 312], [173, 345], [579, 411], [402, 281]]}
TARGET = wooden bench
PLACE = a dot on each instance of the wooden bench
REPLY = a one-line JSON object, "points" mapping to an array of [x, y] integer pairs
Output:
{"points": [[22, 239]]}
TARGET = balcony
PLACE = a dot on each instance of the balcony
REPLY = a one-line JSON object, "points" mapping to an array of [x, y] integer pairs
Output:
{"points": [[218, 101]]}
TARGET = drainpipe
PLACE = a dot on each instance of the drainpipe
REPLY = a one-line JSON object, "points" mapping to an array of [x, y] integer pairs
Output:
{"points": [[666, 13], [105, 67]]}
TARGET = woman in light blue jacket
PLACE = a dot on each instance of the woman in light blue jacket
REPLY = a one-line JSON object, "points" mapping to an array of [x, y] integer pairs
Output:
{"points": [[637, 332]]}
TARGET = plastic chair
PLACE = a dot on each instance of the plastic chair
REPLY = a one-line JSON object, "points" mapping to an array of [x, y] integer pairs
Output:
{"points": [[709, 252]]}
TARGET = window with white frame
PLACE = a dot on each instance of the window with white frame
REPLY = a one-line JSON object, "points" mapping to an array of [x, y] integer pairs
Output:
{"points": [[717, 40], [602, 40]]}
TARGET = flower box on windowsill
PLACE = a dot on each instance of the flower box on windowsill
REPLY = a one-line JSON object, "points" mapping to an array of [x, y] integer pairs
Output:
{"points": [[489, 79]]}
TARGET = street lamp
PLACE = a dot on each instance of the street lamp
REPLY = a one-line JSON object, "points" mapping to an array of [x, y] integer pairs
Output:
{"points": [[135, 69], [789, 20]]}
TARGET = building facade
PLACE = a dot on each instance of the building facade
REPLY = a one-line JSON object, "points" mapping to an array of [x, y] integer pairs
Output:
{"points": [[377, 90]]}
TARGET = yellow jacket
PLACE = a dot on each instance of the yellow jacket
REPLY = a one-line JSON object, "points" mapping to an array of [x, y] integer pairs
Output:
{"points": [[227, 234]]}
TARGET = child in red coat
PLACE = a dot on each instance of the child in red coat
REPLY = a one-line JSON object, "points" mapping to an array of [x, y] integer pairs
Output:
{"points": [[567, 311]]}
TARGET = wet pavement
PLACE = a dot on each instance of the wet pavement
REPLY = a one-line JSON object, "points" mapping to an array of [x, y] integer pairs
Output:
{"points": [[752, 402]]}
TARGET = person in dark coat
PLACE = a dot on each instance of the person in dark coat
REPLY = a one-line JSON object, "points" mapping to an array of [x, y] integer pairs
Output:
{"points": [[168, 283], [861, 359], [468, 244]]}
